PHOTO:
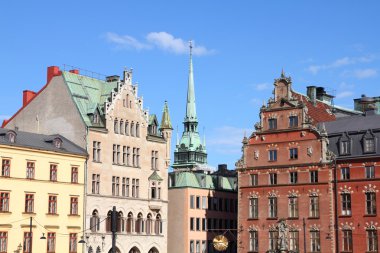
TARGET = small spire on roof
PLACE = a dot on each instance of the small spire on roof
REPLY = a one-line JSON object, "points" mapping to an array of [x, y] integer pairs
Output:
{"points": [[282, 73]]}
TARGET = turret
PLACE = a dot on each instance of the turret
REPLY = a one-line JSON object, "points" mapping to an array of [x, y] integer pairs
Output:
{"points": [[166, 131]]}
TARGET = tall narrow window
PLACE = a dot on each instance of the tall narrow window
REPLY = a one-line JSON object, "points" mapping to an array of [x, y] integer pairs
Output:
{"points": [[372, 240], [346, 203], [314, 206], [158, 225], [126, 128], [272, 124], [254, 179], [293, 153], [192, 206], [133, 188], [345, 147], [293, 207], [52, 205], [29, 203], [51, 242], [198, 202], [369, 171], [128, 156], [27, 245], [272, 207], [273, 237], [134, 157], [30, 170], [121, 128], [137, 157], [272, 178], [96, 151], [124, 155], [369, 145], [191, 223], [294, 241], [133, 129], [253, 208], [6, 168], [53, 172], [345, 173], [95, 221], [127, 187], [315, 243], [192, 246], [293, 121], [74, 175], [137, 188], [253, 241], [73, 243], [4, 202], [116, 127], [293, 176], [3, 242], [314, 176], [370, 200], [272, 155], [115, 186], [74, 206], [347, 240], [118, 154], [137, 130], [95, 183], [114, 157]]}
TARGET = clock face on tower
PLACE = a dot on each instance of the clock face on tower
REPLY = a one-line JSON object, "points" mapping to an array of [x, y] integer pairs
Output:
{"points": [[220, 243]]}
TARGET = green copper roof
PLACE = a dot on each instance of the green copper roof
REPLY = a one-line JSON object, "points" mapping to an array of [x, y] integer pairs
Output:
{"points": [[191, 113], [155, 177], [201, 180], [89, 95], [165, 121]]}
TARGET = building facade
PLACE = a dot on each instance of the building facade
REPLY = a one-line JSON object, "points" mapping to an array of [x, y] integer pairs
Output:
{"points": [[129, 153], [41, 193], [202, 204], [354, 142], [285, 180]]}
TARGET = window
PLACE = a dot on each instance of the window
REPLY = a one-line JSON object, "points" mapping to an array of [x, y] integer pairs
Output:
{"points": [[149, 224], [116, 127], [370, 200], [51, 242], [192, 201], [53, 172], [121, 128], [273, 240], [27, 244], [191, 246], [345, 173], [137, 157], [95, 183], [372, 241], [158, 225], [30, 170], [6, 168], [126, 132], [134, 157], [314, 206], [272, 124], [192, 224], [204, 202], [127, 187], [95, 118], [293, 176], [52, 205], [133, 188], [115, 186], [74, 174], [29, 203], [118, 154], [74, 206], [272, 178], [315, 244], [272, 207], [73, 243], [253, 208], [204, 247], [198, 225], [114, 157], [369, 145], [346, 203], [198, 247], [137, 187], [198, 202], [3, 242], [96, 151], [369, 171], [293, 207], [204, 225], [133, 128], [253, 241], [293, 121], [345, 148], [95, 221], [294, 241], [272, 155], [4, 202], [137, 130], [293, 153], [347, 240], [254, 179], [314, 176], [128, 156]]}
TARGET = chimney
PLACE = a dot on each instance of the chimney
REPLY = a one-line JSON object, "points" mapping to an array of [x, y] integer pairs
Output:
{"points": [[27, 95], [322, 95], [114, 78], [52, 71], [312, 93], [74, 71]]}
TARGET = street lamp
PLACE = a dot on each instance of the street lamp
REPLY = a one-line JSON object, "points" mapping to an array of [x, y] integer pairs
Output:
{"points": [[43, 236]]}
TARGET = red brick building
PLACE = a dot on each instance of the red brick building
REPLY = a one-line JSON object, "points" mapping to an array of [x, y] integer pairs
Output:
{"points": [[285, 174]]}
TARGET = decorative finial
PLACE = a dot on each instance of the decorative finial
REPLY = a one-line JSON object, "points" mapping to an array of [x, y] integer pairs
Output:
{"points": [[282, 73], [191, 46]]}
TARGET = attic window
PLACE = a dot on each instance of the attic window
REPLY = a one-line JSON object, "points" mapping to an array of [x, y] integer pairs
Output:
{"points": [[11, 136], [96, 119], [369, 145], [345, 147], [57, 142]]}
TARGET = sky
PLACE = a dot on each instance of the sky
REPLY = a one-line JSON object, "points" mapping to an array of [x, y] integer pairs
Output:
{"points": [[240, 47]]}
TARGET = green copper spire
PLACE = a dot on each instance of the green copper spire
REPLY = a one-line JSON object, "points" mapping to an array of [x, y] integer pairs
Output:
{"points": [[165, 120], [191, 113]]}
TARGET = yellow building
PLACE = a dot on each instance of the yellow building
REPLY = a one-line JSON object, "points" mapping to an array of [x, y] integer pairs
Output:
{"points": [[42, 182]]}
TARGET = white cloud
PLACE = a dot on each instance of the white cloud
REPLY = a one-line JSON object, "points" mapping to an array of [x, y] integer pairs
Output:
{"points": [[126, 41], [314, 69], [227, 139], [161, 40], [365, 73], [344, 94]]}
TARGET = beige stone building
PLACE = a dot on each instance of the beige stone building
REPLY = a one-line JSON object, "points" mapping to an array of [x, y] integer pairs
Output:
{"points": [[129, 153]]}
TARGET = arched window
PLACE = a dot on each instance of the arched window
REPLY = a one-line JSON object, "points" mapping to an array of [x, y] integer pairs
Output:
{"points": [[137, 130], [116, 126], [154, 250], [139, 224], [120, 222], [94, 221], [108, 221], [126, 127], [90, 250], [130, 223], [149, 224], [121, 128], [98, 250], [134, 250], [158, 225], [127, 102]]}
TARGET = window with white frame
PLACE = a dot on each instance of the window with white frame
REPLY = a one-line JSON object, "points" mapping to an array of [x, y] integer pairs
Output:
{"points": [[253, 241], [293, 206], [372, 240], [346, 203], [347, 240], [315, 242], [370, 201], [253, 208], [272, 207]]}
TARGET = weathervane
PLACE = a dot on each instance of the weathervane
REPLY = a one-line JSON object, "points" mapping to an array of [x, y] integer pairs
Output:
{"points": [[191, 46]]}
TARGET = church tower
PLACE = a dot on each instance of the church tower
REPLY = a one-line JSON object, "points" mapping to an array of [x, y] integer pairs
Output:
{"points": [[190, 152], [166, 130]]}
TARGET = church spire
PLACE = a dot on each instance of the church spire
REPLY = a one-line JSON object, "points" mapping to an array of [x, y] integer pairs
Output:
{"points": [[165, 120], [191, 113]]}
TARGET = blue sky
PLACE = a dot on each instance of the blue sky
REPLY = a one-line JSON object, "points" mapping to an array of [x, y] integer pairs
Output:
{"points": [[240, 47]]}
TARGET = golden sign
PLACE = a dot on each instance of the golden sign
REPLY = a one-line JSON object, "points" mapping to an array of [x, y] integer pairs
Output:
{"points": [[220, 243]]}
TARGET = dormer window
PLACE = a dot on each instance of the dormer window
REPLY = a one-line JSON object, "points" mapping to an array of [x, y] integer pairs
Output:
{"points": [[57, 142], [369, 145], [272, 124], [95, 118], [345, 145], [11, 136]]}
